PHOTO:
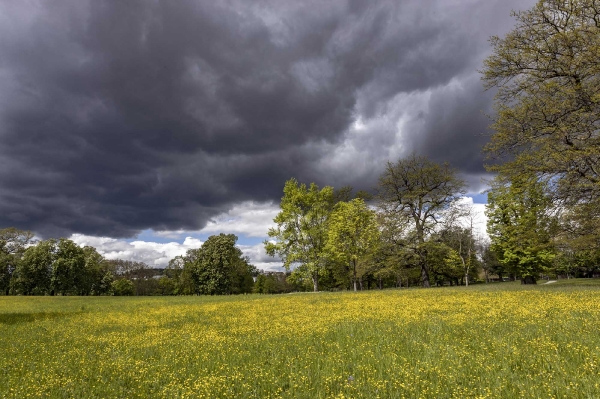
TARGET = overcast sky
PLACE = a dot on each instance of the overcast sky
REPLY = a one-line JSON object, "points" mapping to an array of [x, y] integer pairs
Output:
{"points": [[139, 125]]}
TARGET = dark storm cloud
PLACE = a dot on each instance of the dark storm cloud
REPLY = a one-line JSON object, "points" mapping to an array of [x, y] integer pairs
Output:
{"points": [[121, 116]]}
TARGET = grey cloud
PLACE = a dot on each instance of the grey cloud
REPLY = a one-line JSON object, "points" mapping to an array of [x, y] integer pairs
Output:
{"points": [[122, 116]]}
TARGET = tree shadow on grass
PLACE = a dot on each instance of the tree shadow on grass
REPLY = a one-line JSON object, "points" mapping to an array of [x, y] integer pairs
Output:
{"points": [[16, 318]]}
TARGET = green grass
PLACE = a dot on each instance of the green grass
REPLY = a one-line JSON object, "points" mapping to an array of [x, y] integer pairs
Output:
{"points": [[498, 341]]}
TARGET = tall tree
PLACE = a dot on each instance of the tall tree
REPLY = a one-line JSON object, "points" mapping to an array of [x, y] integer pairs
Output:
{"points": [[97, 278], [520, 227], [548, 103], [13, 243], [68, 268], [301, 232], [353, 234], [414, 193]]}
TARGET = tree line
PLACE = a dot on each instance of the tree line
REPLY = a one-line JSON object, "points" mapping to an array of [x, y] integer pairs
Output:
{"points": [[61, 267]]}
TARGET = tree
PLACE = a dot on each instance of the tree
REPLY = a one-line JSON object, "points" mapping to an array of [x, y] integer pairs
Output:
{"points": [[34, 270], [13, 243], [122, 287], [459, 235], [520, 227], [219, 267], [413, 195], [548, 104], [179, 271], [68, 268], [97, 278], [353, 234], [301, 232]]}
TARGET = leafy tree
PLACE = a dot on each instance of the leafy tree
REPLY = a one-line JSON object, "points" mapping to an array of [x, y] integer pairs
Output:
{"points": [[454, 263], [413, 196], [68, 268], [122, 287], [97, 278], [548, 105], [219, 267], [301, 232], [13, 243], [352, 235], [34, 270], [520, 227], [180, 272]]}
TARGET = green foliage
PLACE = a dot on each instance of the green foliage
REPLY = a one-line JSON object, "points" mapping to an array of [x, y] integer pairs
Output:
{"points": [[68, 269], [122, 287], [353, 234], [13, 243], [34, 271], [218, 267], [462, 263], [490, 263], [520, 227], [301, 232], [272, 283], [61, 267]]}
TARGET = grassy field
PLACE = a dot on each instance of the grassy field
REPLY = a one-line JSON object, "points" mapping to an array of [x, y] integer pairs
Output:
{"points": [[485, 341]]}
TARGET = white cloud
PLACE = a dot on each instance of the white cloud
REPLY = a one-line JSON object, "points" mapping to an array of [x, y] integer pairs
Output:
{"points": [[153, 254], [479, 218], [251, 219], [260, 259]]}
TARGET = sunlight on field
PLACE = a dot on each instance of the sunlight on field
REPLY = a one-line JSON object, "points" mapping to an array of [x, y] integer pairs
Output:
{"points": [[478, 342]]}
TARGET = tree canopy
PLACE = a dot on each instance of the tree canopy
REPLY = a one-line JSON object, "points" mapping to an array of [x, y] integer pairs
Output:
{"points": [[301, 232], [353, 234]]}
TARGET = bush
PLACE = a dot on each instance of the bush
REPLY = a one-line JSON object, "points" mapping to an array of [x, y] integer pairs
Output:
{"points": [[122, 287]]}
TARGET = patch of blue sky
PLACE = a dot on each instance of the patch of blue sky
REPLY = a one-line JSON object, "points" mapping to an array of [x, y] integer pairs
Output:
{"points": [[478, 198]]}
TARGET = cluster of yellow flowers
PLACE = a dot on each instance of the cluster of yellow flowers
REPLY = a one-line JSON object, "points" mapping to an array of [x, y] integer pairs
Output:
{"points": [[451, 342]]}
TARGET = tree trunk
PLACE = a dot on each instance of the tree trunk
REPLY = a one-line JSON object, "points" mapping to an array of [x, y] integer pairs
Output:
{"points": [[315, 280], [354, 273], [425, 275], [528, 280]]}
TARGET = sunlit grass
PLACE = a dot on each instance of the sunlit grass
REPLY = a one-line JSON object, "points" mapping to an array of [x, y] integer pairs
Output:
{"points": [[497, 340]]}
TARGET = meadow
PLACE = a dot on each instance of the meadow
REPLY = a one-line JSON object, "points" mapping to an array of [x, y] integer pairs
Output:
{"points": [[484, 341]]}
